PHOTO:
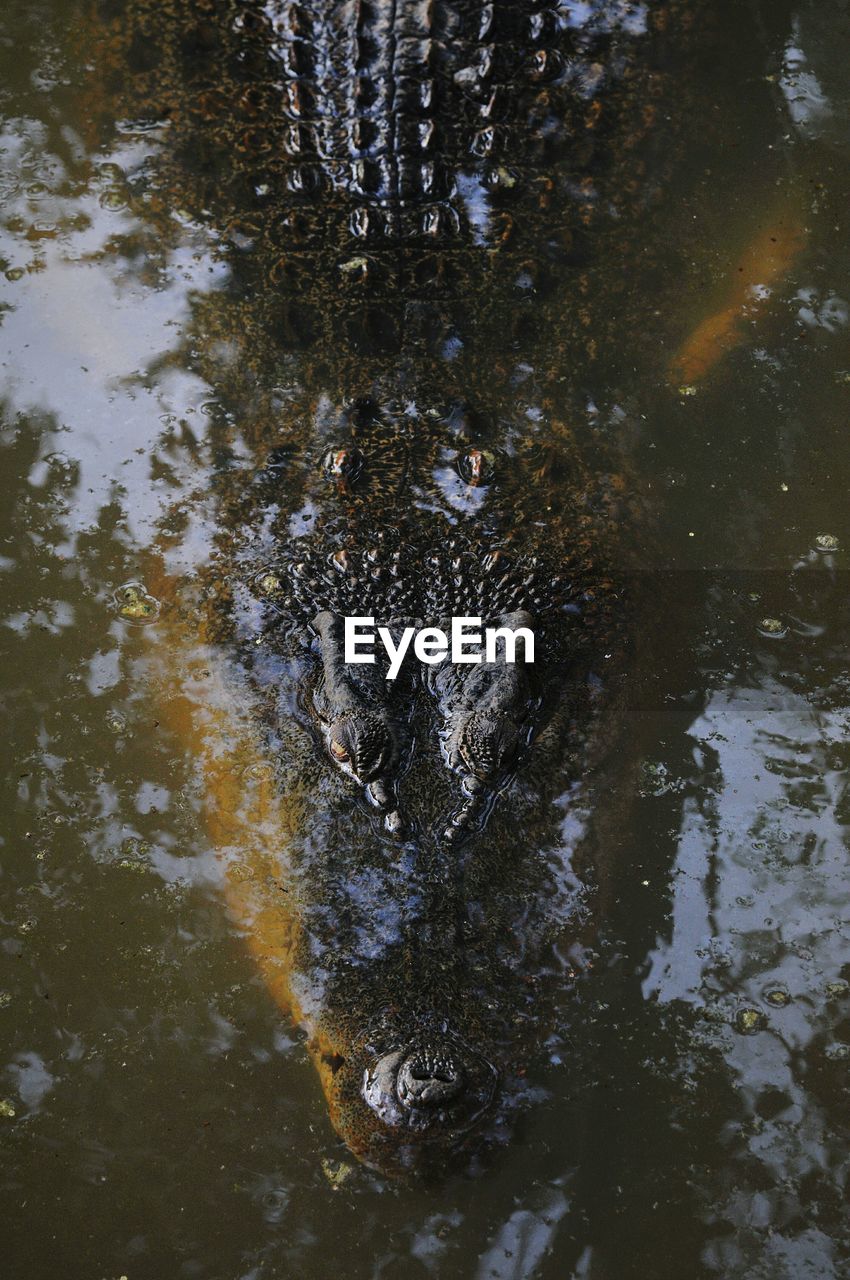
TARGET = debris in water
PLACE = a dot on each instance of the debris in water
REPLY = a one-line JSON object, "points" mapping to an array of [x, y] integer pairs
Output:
{"points": [[135, 603], [336, 1172]]}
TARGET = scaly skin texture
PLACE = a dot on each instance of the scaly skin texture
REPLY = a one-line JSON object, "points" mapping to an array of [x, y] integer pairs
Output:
{"points": [[417, 207], [409, 198]]}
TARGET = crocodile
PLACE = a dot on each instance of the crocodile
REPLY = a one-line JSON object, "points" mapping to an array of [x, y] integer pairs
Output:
{"points": [[426, 218]]}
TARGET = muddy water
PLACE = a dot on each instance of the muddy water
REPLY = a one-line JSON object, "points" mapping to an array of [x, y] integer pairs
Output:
{"points": [[159, 1116]]}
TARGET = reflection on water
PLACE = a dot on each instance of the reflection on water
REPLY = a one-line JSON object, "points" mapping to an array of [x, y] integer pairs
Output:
{"points": [[686, 1113]]}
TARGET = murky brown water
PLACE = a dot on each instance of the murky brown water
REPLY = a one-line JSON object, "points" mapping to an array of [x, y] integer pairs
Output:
{"points": [[159, 1117]]}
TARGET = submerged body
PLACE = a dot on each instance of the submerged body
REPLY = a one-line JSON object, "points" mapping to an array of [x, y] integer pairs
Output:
{"points": [[430, 218]]}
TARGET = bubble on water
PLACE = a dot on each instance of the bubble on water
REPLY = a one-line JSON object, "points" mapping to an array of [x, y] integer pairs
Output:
{"points": [[687, 389], [835, 990], [114, 198], [116, 722], [749, 1021], [777, 997], [135, 603], [15, 273], [826, 542], [110, 172], [261, 771], [7, 1110], [269, 584], [275, 1203], [837, 1052], [772, 628], [5, 999]]}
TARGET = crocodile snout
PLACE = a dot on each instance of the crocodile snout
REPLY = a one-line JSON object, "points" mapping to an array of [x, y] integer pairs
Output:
{"points": [[430, 1086]]}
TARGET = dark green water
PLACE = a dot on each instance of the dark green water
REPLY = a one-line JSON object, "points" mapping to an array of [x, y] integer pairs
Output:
{"points": [[160, 1118]]}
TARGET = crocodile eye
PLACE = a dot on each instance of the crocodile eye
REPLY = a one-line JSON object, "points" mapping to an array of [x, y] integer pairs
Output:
{"points": [[361, 743], [476, 466], [343, 463], [489, 743]]}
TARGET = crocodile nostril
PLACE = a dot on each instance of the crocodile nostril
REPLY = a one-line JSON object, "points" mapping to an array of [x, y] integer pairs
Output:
{"points": [[423, 1081]]}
